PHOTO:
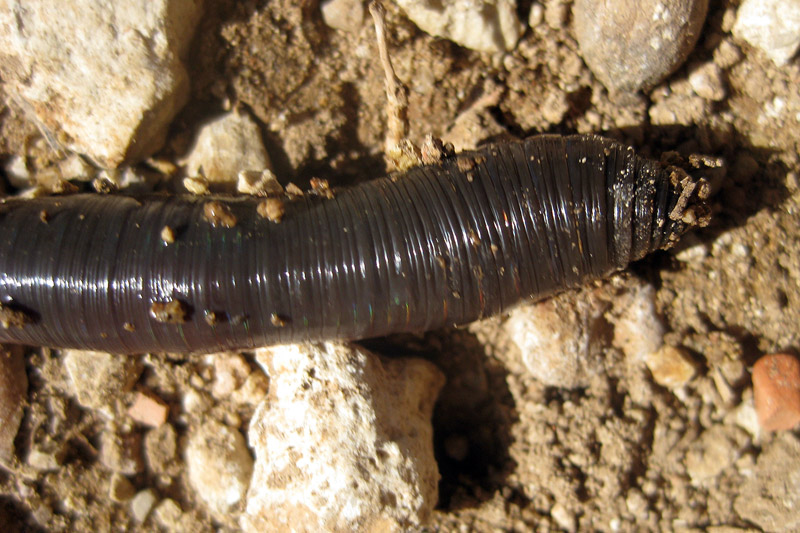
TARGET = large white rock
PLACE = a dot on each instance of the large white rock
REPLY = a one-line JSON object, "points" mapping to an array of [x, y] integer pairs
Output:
{"points": [[343, 443], [104, 78], [772, 25], [483, 25]]}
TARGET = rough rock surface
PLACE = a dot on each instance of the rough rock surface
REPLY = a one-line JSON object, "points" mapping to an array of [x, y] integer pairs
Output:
{"points": [[633, 44], [483, 25], [125, 62], [771, 25], [344, 442], [226, 146]]}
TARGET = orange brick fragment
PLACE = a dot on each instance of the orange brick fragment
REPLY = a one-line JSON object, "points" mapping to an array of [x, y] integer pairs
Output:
{"points": [[148, 410], [776, 390]]}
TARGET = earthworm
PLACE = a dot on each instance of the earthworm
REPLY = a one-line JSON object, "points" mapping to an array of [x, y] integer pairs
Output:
{"points": [[439, 245]]}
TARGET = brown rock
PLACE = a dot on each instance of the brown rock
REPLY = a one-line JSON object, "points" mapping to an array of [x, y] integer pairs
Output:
{"points": [[776, 389], [635, 44]]}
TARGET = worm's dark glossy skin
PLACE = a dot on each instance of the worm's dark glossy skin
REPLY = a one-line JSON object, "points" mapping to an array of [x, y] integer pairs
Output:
{"points": [[439, 245]]}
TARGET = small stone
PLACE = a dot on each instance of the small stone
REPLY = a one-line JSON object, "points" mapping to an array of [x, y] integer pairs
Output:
{"points": [[344, 442], [536, 15], [255, 183], [556, 13], [219, 465], [557, 339], [707, 82], [224, 147], [633, 45], [671, 367], [252, 390], [120, 489], [104, 81], [638, 330], [563, 517], [482, 25], [17, 172], [230, 373], [141, 504], [776, 391], [769, 497], [121, 452], [99, 379], [13, 390], [160, 447], [168, 515], [148, 410], [771, 25], [343, 15]]}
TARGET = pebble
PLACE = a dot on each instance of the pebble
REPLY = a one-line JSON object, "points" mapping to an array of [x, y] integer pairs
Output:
{"points": [[707, 82], [168, 514], [226, 146], [633, 45], [141, 504], [771, 25], [344, 443], [148, 410], [230, 373], [482, 25], [219, 465], [70, 59], [769, 497], [343, 15], [99, 379], [671, 367], [638, 330], [120, 489], [776, 391], [13, 390]]}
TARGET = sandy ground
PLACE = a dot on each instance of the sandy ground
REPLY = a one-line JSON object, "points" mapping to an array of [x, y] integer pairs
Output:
{"points": [[620, 454]]}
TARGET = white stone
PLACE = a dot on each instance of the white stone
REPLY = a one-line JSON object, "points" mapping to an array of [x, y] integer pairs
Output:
{"points": [[141, 504], [219, 465], [344, 15], [483, 25], [707, 82], [225, 146], [17, 172], [557, 339], [104, 78], [344, 442], [771, 25], [638, 331]]}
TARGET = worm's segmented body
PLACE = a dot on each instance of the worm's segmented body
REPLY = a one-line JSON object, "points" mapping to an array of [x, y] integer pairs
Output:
{"points": [[439, 245]]}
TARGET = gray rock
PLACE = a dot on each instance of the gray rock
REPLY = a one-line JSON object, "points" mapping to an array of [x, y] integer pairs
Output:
{"points": [[103, 79], [483, 25], [771, 25], [633, 45]]}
